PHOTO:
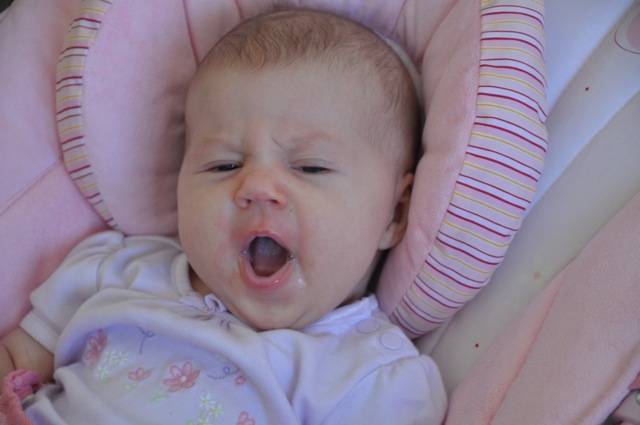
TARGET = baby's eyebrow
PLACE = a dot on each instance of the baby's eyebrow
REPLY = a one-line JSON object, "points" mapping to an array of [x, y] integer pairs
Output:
{"points": [[203, 146], [310, 141], [315, 136], [321, 137], [211, 137]]}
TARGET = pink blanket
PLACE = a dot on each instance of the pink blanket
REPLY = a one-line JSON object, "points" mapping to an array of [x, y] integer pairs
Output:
{"points": [[571, 356]]}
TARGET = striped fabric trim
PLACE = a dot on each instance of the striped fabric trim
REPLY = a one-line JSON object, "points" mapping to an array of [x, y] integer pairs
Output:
{"points": [[500, 171], [69, 97]]}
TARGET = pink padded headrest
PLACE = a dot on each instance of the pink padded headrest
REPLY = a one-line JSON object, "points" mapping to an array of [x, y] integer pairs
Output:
{"points": [[121, 84]]}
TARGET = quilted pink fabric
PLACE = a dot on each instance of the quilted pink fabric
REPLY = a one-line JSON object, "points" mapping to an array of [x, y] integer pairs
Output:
{"points": [[572, 354]]}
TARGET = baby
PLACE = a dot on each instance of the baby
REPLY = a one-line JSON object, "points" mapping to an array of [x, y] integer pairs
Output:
{"points": [[296, 177]]}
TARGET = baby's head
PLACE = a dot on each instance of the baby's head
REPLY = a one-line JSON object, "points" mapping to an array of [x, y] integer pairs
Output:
{"points": [[337, 46], [301, 130]]}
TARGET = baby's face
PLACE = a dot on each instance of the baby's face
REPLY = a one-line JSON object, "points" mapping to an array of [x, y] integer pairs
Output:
{"points": [[283, 202]]}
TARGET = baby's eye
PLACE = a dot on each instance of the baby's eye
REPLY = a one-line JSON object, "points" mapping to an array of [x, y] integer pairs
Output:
{"points": [[312, 166], [223, 168], [313, 169], [227, 167]]}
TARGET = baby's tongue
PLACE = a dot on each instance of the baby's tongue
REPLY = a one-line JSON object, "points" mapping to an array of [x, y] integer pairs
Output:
{"points": [[266, 256]]}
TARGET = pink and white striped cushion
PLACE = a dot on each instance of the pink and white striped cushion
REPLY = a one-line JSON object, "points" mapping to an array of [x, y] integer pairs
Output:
{"points": [[499, 173], [69, 101], [120, 86]]}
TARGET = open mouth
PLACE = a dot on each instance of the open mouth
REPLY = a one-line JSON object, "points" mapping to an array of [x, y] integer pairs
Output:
{"points": [[267, 256]]}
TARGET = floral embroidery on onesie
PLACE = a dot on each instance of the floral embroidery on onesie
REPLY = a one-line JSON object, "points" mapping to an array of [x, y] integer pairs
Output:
{"points": [[134, 363]]}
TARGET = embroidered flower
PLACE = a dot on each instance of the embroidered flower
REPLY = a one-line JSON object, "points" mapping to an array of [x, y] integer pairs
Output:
{"points": [[110, 356], [240, 380], [103, 373], [117, 358], [182, 377], [139, 374], [245, 419], [122, 357], [95, 346], [217, 410], [205, 401], [210, 407]]}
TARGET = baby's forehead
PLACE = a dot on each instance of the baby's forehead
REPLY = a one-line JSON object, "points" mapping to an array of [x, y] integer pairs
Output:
{"points": [[365, 93], [313, 120], [307, 85]]}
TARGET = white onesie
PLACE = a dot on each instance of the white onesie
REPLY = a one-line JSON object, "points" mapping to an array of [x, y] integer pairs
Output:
{"points": [[134, 344]]}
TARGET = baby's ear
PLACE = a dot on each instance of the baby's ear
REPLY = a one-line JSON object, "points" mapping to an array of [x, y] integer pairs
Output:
{"points": [[398, 224]]}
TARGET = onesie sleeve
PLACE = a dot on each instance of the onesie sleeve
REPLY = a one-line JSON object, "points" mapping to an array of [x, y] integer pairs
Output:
{"points": [[75, 281], [409, 391]]}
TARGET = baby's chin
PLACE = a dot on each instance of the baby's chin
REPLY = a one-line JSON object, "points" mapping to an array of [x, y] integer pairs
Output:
{"points": [[261, 318], [282, 318], [270, 323]]}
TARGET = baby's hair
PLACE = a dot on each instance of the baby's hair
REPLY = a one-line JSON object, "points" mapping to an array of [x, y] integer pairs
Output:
{"points": [[289, 36]]}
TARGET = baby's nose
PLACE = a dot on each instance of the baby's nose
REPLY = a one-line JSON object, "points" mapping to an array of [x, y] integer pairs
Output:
{"points": [[263, 186]]}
